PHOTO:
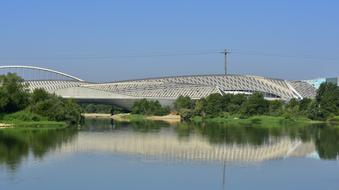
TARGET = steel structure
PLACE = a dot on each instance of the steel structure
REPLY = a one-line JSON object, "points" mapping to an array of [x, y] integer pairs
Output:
{"points": [[167, 89], [40, 69]]}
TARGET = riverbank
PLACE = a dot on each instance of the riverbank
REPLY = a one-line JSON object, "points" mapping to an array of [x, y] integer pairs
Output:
{"points": [[259, 121], [32, 124], [262, 121], [25, 119], [4, 126], [127, 117]]}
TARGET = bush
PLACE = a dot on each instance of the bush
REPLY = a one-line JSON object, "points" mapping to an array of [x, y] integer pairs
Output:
{"points": [[275, 107], [255, 105], [183, 102], [24, 116], [38, 105], [186, 114], [57, 109], [214, 105], [149, 107], [100, 108], [14, 95]]}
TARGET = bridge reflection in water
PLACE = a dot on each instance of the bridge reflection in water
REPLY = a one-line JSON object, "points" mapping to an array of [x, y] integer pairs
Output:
{"points": [[166, 145]]}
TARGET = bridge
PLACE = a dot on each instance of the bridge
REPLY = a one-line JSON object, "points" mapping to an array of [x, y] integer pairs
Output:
{"points": [[164, 89]]}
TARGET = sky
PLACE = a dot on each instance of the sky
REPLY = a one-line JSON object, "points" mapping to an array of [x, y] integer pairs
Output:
{"points": [[107, 40]]}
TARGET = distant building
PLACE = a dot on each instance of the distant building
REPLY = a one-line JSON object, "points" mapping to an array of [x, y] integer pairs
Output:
{"points": [[164, 89], [317, 82]]}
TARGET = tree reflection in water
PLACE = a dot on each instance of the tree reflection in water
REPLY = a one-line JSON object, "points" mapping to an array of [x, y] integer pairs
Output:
{"points": [[17, 144]]}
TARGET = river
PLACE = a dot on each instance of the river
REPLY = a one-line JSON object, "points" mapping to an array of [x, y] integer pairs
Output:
{"points": [[154, 155]]}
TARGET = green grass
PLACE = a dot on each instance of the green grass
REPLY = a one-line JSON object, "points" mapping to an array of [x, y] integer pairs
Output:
{"points": [[334, 121], [38, 124], [24, 119], [135, 117], [257, 121], [234, 120]]}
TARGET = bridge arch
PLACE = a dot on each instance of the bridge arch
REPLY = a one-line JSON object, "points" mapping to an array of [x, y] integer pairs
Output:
{"points": [[41, 69]]}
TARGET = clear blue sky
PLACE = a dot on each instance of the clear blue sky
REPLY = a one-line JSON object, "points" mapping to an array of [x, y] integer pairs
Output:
{"points": [[121, 39]]}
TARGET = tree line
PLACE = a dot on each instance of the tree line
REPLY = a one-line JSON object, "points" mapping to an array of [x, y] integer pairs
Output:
{"points": [[34, 106], [324, 106], [39, 104]]}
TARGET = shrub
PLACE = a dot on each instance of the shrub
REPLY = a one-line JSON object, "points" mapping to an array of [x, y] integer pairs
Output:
{"points": [[24, 116], [183, 102], [149, 107], [186, 114]]}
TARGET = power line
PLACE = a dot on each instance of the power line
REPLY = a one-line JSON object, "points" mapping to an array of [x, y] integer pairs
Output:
{"points": [[270, 54], [177, 54], [116, 56]]}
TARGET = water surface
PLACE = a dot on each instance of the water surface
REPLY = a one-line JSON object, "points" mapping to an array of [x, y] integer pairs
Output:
{"points": [[155, 155]]}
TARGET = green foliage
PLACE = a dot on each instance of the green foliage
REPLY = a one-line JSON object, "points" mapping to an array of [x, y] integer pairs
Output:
{"points": [[183, 102], [314, 112], [149, 107], [255, 105], [275, 107], [100, 108], [17, 144], [23, 116], [38, 105], [39, 95], [233, 103], [13, 94], [57, 109], [293, 104], [186, 114], [304, 104], [199, 107], [326, 105], [214, 105], [328, 99]]}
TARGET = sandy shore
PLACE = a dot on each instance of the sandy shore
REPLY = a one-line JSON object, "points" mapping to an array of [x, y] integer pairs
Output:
{"points": [[124, 117], [97, 115], [168, 118], [4, 125]]}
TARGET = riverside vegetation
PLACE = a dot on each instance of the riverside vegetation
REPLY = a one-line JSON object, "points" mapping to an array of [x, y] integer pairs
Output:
{"points": [[249, 109], [21, 108]]}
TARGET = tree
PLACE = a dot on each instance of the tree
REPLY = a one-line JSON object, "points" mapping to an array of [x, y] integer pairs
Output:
{"points": [[275, 107], [236, 102], [39, 95], [304, 104], [214, 104], [14, 95], [149, 107], [255, 105], [199, 107], [328, 99], [55, 108], [183, 102], [314, 112], [293, 104], [186, 114]]}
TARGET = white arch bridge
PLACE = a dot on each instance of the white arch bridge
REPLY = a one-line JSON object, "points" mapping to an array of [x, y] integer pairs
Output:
{"points": [[164, 89]]}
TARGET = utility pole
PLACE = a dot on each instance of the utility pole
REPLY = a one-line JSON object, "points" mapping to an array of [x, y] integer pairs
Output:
{"points": [[225, 52]]}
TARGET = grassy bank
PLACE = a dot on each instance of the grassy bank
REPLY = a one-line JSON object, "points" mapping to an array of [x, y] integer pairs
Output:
{"points": [[334, 121], [25, 119], [127, 117], [258, 121], [136, 117]]}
